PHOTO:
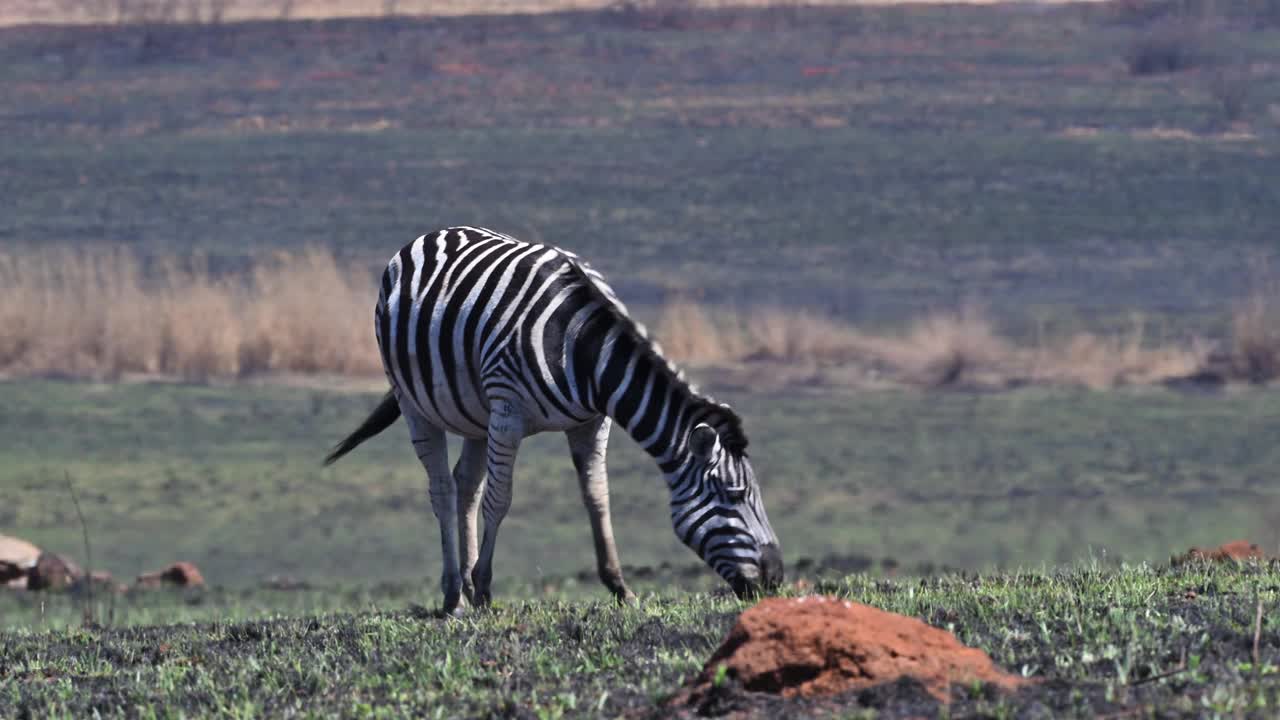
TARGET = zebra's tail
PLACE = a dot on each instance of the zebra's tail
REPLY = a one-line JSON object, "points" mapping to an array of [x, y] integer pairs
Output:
{"points": [[387, 412]]}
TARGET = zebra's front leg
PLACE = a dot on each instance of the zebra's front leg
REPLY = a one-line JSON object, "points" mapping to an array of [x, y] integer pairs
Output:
{"points": [[469, 475], [588, 445], [433, 450], [506, 430]]}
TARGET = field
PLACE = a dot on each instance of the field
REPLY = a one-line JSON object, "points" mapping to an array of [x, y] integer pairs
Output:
{"points": [[19, 12], [230, 478], [1133, 641], [1027, 173], [869, 163]]}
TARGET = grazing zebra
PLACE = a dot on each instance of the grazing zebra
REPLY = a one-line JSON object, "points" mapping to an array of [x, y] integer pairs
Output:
{"points": [[495, 339]]}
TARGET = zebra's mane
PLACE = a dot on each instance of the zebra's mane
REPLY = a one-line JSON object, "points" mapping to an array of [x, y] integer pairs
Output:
{"points": [[717, 414]]}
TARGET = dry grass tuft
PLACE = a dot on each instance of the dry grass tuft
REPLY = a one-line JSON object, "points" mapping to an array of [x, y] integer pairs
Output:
{"points": [[691, 333], [1101, 362], [92, 313], [312, 319], [96, 314], [949, 348], [687, 332], [1255, 339], [772, 333], [943, 349]]}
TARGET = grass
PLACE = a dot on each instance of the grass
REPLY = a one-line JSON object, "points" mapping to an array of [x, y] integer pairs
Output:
{"points": [[103, 313], [217, 11], [878, 163], [1132, 639], [230, 478], [962, 348], [106, 314], [875, 164]]}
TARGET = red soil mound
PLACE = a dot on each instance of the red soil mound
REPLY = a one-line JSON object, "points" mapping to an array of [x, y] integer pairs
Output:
{"points": [[179, 574], [1235, 550], [53, 572], [818, 645]]}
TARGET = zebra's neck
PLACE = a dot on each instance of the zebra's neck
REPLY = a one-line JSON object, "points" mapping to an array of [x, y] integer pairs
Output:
{"points": [[645, 394]]}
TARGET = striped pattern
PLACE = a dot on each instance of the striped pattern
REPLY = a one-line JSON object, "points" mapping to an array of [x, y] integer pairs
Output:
{"points": [[494, 339]]}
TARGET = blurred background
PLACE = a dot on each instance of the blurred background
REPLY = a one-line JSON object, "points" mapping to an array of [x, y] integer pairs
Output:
{"points": [[993, 285]]}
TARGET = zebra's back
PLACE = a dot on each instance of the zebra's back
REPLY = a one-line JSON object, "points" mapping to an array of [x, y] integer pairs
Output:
{"points": [[467, 313]]}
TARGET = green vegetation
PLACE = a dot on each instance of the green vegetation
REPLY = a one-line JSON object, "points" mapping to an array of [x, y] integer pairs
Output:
{"points": [[870, 161], [230, 478], [1134, 639], [1065, 167]]}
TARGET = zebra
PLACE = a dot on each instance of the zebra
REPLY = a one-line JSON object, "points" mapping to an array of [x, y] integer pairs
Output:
{"points": [[495, 339]]}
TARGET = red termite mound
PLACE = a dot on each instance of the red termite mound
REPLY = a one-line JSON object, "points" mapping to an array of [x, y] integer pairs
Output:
{"points": [[1238, 550], [820, 645], [179, 574]]}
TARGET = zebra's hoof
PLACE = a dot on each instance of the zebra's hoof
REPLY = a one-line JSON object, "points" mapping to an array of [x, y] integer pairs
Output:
{"points": [[454, 604]]}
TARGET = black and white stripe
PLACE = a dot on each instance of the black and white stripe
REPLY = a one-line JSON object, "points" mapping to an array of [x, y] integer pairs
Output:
{"points": [[494, 339]]}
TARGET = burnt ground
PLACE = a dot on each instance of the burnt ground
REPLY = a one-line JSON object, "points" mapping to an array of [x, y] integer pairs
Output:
{"points": [[1158, 642]]}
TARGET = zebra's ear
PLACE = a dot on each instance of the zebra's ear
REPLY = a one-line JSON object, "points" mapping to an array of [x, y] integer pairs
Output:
{"points": [[704, 441]]}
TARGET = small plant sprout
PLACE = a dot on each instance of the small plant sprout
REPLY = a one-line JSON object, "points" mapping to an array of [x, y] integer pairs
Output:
{"points": [[722, 674]]}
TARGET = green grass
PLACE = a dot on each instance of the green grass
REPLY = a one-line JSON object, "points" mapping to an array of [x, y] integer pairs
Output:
{"points": [[1133, 639], [940, 160], [230, 478]]}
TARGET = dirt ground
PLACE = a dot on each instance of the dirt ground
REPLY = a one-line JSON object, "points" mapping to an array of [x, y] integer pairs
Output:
{"points": [[20, 12]]}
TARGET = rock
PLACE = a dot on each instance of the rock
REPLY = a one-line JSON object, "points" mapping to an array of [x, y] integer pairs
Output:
{"points": [[12, 575], [18, 551], [104, 579], [1236, 550], [17, 557], [98, 581], [53, 572], [819, 645], [179, 574]]}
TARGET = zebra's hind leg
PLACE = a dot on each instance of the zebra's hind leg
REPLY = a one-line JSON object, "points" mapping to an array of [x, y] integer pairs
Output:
{"points": [[432, 449], [469, 475], [506, 430], [588, 444]]}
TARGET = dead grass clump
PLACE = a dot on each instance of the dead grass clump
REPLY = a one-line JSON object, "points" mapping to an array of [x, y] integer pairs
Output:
{"points": [[945, 348], [310, 319], [691, 333], [94, 313], [1102, 362], [942, 349], [201, 329], [1255, 340], [773, 333], [688, 333], [74, 313]]}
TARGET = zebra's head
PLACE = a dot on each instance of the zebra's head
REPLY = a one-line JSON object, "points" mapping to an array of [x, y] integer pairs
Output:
{"points": [[717, 509]]}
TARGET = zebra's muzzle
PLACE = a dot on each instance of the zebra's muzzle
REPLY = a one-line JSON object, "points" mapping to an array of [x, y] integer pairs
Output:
{"points": [[771, 568], [753, 582], [744, 588]]}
